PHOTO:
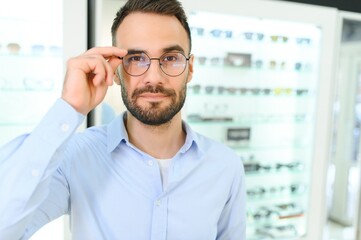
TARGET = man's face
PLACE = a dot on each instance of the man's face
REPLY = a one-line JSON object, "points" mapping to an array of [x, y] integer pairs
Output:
{"points": [[153, 98]]}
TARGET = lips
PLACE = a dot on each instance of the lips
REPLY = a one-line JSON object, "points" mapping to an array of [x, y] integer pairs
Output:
{"points": [[152, 92], [152, 96]]}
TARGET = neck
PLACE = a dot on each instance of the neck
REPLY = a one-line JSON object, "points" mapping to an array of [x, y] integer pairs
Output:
{"points": [[162, 141]]}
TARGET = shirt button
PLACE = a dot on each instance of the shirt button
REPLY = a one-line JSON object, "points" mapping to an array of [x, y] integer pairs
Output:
{"points": [[35, 172], [150, 163], [64, 127], [158, 202]]}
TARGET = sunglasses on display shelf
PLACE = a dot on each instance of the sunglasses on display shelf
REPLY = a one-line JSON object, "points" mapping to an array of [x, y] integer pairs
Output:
{"points": [[265, 213], [244, 60], [195, 88], [239, 134], [254, 36], [200, 118], [213, 61], [248, 158], [290, 166], [13, 48], [258, 64], [273, 64], [303, 67], [258, 191], [249, 36], [238, 59], [217, 33], [210, 89], [280, 211], [299, 66], [287, 231], [289, 210], [281, 117], [279, 39], [303, 41], [257, 167], [282, 91], [302, 92], [231, 90], [199, 31]]}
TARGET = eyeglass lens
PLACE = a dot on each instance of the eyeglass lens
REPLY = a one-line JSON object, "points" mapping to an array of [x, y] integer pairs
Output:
{"points": [[172, 63]]}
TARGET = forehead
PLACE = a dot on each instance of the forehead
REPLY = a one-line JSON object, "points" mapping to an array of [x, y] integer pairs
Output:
{"points": [[151, 32]]}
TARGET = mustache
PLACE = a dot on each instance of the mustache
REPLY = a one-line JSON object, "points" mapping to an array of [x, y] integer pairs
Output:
{"points": [[153, 89]]}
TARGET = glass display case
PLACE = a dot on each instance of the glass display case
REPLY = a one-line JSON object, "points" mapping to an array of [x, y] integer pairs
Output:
{"points": [[344, 184], [259, 86], [37, 37], [31, 59], [254, 89]]}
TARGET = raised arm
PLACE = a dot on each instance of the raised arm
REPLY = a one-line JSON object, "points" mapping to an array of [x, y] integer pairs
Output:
{"points": [[29, 164]]}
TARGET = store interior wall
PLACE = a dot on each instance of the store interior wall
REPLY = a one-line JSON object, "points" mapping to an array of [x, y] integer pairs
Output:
{"points": [[350, 33], [113, 98], [345, 157], [109, 7]]}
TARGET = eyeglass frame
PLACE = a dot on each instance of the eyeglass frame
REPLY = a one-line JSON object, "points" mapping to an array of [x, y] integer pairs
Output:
{"points": [[160, 65]]}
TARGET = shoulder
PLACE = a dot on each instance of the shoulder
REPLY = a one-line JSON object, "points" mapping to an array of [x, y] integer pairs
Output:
{"points": [[90, 138], [218, 151]]}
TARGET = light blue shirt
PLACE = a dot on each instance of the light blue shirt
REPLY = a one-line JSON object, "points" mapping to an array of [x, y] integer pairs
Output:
{"points": [[113, 190]]}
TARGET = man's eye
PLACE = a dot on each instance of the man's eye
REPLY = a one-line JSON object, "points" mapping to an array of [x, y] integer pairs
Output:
{"points": [[170, 58], [136, 58]]}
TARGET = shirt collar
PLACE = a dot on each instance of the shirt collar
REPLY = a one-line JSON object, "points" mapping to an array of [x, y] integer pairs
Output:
{"points": [[117, 133], [191, 138]]}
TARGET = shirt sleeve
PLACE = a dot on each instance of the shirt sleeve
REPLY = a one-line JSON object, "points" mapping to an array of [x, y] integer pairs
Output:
{"points": [[232, 223], [27, 166]]}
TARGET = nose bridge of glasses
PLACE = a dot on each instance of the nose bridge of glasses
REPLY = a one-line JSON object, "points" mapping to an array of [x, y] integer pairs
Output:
{"points": [[158, 66], [158, 59]]}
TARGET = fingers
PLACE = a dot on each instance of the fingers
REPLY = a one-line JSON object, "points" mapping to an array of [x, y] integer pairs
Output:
{"points": [[89, 75], [107, 52], [109, 61]]}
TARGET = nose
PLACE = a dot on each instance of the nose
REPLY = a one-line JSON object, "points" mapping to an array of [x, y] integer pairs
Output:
{"points": [[154, 74]]}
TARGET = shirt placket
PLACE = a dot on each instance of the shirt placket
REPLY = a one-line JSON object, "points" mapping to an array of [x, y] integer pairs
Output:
{"points": [[160, 203], [159, 219]]}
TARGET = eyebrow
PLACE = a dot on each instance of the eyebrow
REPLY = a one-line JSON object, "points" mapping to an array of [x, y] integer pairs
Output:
{"points": [[174, 48], [167, 49], [135, 51]]}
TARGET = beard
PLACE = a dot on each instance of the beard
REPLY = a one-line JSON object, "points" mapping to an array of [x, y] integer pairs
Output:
{"points": [[155, 114]]}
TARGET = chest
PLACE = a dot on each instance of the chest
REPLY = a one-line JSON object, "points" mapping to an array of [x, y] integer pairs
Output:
{"points": [[119, 198]]}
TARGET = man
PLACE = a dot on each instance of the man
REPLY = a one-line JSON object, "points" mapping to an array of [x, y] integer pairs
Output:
{"points": [[108, 178]]}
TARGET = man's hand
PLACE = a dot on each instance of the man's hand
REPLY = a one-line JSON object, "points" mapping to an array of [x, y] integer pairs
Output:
{"points": [[88, 77]]}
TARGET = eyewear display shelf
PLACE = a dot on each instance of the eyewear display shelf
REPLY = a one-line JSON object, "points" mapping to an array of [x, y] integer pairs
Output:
{"points": [[31, 72], [254, 89]]}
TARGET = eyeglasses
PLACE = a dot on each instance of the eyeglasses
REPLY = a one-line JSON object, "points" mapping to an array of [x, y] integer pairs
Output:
{"points": [[172, 64]]}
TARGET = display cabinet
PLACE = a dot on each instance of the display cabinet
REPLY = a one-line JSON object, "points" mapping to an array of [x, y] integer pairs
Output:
{"points": [[31, 65], [37, 38], [344, 184], [255, 88], [263, 85]]}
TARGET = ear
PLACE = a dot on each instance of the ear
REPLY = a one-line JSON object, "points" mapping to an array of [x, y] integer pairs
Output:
{"points": [[116, 77], [190, 68]]}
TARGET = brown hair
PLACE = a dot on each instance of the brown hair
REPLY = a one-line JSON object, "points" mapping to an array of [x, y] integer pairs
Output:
{"points": [[163, 7]]}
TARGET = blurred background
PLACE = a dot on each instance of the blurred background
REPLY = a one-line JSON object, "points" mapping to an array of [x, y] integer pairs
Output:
{"points": [[278, 81]]}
